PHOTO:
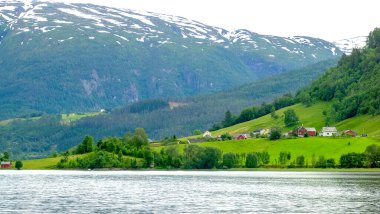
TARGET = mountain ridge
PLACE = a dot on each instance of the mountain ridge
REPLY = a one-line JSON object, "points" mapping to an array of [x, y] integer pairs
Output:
{"points": [[83, 57]]}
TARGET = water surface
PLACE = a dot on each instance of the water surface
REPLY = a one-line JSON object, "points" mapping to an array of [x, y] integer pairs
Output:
{"points": [[188, 192]]}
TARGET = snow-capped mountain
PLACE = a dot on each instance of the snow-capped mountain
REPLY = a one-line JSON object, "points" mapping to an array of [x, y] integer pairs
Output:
{"points": [[84, 56], [346, 45]]}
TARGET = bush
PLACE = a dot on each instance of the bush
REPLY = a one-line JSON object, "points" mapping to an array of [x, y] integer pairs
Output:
{"points": [[196, 157], [352, 160], [264, 157], [321, 162], [230, 160], [330, 163], [284, 157], [252, 160], [226, 136], [275, 133], [372, 154], [300, 161], [19, 165]]}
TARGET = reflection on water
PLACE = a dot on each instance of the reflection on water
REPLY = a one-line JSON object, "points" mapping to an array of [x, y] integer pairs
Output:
{"points": [[187, 192]]}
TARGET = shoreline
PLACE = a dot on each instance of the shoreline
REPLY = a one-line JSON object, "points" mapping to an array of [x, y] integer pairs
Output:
{"points": [[218, 170]]}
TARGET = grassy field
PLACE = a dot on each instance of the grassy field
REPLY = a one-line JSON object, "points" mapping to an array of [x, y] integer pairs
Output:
{"points": [[77, 116], [309, 117], [50, 163], [66, 118], [328, 147], [46, 163]]}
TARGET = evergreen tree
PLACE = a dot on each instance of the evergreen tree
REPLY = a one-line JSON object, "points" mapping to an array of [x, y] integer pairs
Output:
{"points": [[228, 120], [273, 113], [291, 118]]}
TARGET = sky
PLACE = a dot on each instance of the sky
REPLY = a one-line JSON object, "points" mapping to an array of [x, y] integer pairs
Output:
{"points": [[331, 20]]}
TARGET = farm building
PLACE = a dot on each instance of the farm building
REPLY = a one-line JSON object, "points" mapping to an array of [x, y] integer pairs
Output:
{"points": [[6, 164], [350, 133], [207, 134], [261, 132], [241, 137], [301, 131], [328, 131]]}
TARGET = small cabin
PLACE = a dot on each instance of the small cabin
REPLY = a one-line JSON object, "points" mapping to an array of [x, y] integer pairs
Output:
{"points": [[6, 164], [207, 134], [350, 133], [241, 137], [329, 131]]}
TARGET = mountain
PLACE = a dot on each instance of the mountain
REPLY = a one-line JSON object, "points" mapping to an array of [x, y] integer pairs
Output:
{"points": [[347, 95], [59, 57], [346, 45]]}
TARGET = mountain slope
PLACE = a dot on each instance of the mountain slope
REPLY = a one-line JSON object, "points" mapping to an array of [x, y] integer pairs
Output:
{"points": [[352, 90], [60, 57], [40, 136], [309, 117]]}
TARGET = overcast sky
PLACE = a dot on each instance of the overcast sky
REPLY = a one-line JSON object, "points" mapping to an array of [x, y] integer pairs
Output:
{"points": [[327, 19]]}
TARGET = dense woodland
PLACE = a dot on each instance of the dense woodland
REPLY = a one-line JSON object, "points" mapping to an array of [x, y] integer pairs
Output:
{"points": [[354, 85]]}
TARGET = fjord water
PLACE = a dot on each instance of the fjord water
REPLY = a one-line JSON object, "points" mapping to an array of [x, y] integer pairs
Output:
{"points": [[187, 192]]}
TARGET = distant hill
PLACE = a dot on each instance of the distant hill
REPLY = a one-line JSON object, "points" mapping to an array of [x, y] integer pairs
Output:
{"points": [[61, 57]]}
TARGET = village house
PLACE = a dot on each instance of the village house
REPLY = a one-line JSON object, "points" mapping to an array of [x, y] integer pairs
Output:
{"points": [[350, 133], [6, 164], [241, 137], [207, 134], [301, 131], [329, 131], [260, 132]]}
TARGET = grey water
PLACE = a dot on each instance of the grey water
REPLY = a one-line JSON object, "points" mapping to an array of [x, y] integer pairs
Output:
{"points": [[188, 192]]}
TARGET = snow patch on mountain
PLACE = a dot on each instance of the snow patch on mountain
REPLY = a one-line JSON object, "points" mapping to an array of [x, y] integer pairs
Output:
{"points": [[346, 45]]}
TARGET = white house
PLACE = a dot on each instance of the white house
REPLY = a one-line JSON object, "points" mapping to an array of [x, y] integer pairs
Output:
{"points": [[207, 134], [328, 131]]}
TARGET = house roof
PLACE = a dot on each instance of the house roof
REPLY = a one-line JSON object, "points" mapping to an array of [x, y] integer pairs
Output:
{"points": [[329, 129], [5, 162], [311, 129], [257, 130]]}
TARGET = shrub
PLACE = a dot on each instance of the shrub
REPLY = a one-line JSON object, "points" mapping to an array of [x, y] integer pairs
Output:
{"points": [[252, 160], [372, 154], [352, 160], [330, 163], [321, 162], [284, 157], [230, 160], [300, 161], [275, 133]]}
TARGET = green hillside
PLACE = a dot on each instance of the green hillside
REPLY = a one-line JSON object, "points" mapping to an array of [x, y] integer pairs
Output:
{"points": [[309, 117]]}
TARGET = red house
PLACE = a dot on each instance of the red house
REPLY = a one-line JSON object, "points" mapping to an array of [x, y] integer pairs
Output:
{"points": [[301, 131], [350, 133], [6, 165], [241, 137]]}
